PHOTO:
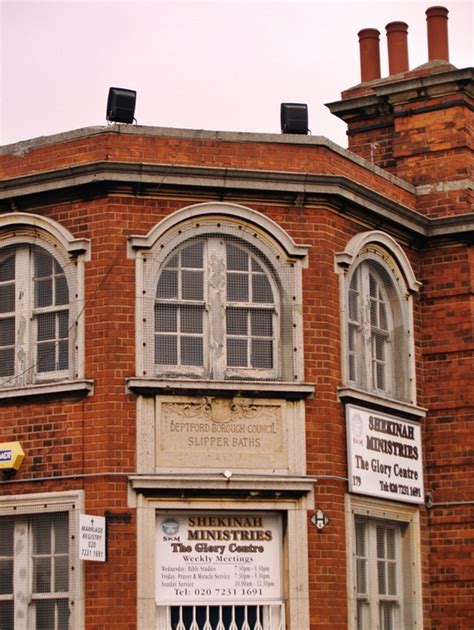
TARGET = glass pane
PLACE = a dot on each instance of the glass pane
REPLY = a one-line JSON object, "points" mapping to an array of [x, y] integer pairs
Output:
{"points": [[192, 256], [237, 287], [63, 614], [191, 351], [6, 577], [352, 368], [353, 306], [6, 536], [167, 285], [173, 262], [383, 317], [256, 266], [166, 319], [192, 285], [46, 323], [262, 354], [361, 578], [261, 290], [7, 331], [43, 264], [45, 615], [61, 533], [372, 286], [63, 355], [237, 321], [386, 616], [62, 293], [7, 361], [362, 616], [7, 298], [166, 350], [44, 292], [236, 352], [392, 578], [373, 314], [390, 534], [380, 542], [237, 259], [63, 324], [46, 357], [6, 615], [41, 535], [191, 319], [262, 323], [381, 577], [7, 269], [61, 574], [42, 575]]}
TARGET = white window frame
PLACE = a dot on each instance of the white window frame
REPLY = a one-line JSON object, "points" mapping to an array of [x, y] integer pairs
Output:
{"points": [[380, 253], [406, 522], [258, 234], [24, 506], [24, 233]]}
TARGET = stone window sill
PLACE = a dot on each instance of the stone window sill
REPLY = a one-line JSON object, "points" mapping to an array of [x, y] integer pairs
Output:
{"points": [[225, 389], [55, 389]]}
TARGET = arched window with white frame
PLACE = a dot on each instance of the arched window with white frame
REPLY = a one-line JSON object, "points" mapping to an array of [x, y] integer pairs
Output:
{"points": [[219, 297], [377, 283], [41, 302]]}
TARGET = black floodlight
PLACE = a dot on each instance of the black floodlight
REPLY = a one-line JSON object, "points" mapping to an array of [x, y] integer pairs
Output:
{"points": [[121, 105], [294, 118]]}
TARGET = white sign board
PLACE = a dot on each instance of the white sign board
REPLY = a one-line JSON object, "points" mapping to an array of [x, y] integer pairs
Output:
{"points": [[218, 558], [384, 456], [92, 535]]}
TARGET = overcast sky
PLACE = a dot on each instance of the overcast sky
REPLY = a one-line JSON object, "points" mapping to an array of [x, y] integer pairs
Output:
{"points": [[218, 64]]}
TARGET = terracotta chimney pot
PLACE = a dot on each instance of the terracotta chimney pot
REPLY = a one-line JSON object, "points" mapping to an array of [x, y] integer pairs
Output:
{"points": [[369, 44], [437, 25], [397, 42]]}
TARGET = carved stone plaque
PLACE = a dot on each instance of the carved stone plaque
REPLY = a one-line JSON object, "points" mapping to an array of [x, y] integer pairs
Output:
{"points": [[220, 433]]}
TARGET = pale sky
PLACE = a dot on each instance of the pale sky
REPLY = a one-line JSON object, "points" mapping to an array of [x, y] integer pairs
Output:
{"points": [[219, 64]]}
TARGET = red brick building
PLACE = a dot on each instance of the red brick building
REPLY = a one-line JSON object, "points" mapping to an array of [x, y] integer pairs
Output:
{"points": [[252, 356]]}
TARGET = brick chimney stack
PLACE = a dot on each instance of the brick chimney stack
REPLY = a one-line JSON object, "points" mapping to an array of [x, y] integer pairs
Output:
{"points": [[415, 123]]}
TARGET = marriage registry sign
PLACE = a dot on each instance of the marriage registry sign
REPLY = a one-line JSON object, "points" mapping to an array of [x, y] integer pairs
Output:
{"points": [[218, 557]]}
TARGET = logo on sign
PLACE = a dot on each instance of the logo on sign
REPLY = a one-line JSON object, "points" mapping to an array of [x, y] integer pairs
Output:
{"points": [[5, 455], [170, 526]]}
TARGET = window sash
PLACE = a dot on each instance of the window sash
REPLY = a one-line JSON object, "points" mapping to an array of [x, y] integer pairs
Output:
{"points": [[369, 332], [220, 353], [377, 574], [25, 357], [40, 551]]}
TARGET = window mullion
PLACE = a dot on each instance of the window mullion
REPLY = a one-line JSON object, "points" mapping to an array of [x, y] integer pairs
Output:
{"points": [[21, 574], [215, 286], [23, 321], [366, 359]]}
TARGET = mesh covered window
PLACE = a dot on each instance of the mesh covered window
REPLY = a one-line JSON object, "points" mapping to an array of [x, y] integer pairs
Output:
{"points": [[370, 329], [34, 315], [216, 311], [34, 571], [377, 574]]}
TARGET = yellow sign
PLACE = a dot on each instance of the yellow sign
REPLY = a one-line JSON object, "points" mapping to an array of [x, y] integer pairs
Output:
{"points": [[11, 455]]}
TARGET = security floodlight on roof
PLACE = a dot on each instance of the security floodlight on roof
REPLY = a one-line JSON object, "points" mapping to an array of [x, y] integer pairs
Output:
{"points": [[121, 105], [294, 118]]}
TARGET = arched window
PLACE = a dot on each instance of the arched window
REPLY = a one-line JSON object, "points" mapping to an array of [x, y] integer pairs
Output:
{"points": [[221, 285], [41, 291], [377, 283], [216, 311], [34, 313]]}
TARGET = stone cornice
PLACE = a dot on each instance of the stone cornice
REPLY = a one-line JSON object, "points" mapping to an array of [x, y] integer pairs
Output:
{"points": [[148, 179]]}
